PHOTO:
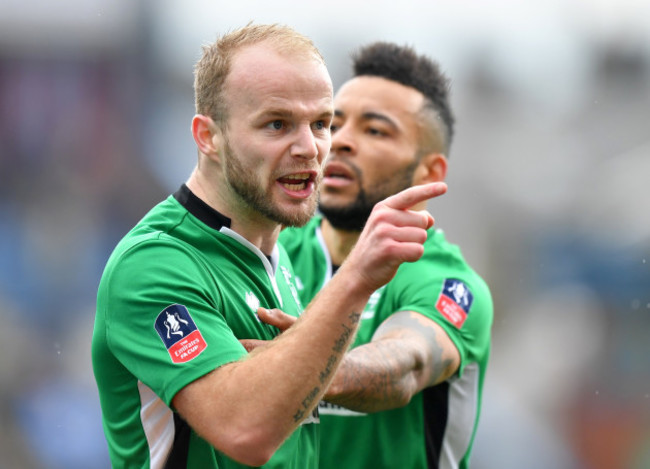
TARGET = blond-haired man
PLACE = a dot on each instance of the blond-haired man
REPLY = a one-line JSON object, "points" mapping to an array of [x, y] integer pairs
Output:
{"points": [[177, 388]]}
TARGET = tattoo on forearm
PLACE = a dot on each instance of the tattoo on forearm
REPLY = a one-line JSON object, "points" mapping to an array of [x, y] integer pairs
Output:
{"points": [[306, 404], [340, 343], [386, 373], [340, 346], [382, 380], [328, 368], [307, 401]]}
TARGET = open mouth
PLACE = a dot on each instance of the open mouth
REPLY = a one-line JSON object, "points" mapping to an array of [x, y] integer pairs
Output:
{"points": [[337, 172], [296, 182], [335, 175]]}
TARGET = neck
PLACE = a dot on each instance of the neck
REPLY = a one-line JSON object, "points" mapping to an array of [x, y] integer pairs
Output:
{"points": [[339, 242], [257, 229]]}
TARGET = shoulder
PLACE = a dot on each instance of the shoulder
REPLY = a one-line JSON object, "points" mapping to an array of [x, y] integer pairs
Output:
{"points": [[438, 249], [148, 257], [443, 270], [444, 259], [439, 258], [164, 241]]}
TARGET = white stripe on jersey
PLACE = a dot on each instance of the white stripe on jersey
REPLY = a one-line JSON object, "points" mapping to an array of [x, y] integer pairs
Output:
{"points": [[158, 424], [463, 405]]}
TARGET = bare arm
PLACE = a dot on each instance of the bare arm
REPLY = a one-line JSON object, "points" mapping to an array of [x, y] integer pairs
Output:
{"points": [[408, 353], [248, 408]]}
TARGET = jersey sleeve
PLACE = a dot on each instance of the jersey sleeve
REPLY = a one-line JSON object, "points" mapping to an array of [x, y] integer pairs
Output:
{"points": [[163, 317], [445, 289]]}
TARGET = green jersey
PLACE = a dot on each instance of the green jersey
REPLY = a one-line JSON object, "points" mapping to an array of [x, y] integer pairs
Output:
{"points": [[436, 429], [177, 294]]}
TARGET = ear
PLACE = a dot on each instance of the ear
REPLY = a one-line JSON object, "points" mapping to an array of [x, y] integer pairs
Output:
{"points": [[432, 168], [207, 135]]}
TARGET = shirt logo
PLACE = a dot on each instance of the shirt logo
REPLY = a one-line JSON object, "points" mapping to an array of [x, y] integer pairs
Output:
{"points": [[179, 333], [327, 408], [454, 301], [252, 301], [292, 288], [299, 283], [369, 310]]}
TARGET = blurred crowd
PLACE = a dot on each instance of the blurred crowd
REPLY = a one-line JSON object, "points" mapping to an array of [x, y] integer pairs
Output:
{"points": [[548, 198]]}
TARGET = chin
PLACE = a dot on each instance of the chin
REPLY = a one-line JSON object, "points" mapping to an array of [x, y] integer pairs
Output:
{"points": [[298, 216], [296, 220]]}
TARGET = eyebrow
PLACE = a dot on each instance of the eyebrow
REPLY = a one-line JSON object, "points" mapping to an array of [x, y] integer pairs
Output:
{"points": [[371, 115], [275, 112], [288, 114]]}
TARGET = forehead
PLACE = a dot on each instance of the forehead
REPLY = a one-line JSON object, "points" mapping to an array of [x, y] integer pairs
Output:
{"points": [[365, 94], [260, 76]]}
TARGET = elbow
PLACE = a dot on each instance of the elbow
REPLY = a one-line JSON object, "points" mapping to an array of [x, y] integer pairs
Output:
{"points": [[249, 446], [251, 457], [251, 453], [402, 399], [399, 399], [369, 402]]}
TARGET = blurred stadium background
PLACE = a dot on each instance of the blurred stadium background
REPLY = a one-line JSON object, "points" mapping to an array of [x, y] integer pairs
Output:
{"points": [[549, 199]]}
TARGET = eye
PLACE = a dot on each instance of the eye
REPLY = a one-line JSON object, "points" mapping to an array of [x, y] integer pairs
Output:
{"points": [[375, 131], [334, 128], [276, 125], [320, 125]]}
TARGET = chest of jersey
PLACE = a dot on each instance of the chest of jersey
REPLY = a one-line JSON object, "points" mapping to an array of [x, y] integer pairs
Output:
{"points": [[243, 283]]}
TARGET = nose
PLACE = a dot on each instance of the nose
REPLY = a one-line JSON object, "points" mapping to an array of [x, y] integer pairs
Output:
{"points": [[305, 144], [343, 141]]}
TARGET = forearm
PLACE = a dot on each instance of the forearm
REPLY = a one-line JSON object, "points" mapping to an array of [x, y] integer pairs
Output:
{"points": [[253, 405], [260, 400], [407, 354], [319, 339], [380, 375]]}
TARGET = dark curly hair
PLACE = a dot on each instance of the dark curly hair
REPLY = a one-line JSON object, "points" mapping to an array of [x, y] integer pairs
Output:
{"points": [[403, 65]]}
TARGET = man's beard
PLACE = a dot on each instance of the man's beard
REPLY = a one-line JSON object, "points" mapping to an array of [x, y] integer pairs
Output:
{"points": [[251, 191], [353, 217]]}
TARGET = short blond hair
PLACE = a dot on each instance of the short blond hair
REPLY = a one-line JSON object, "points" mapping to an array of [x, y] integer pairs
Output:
{"points": [[212, 69]]}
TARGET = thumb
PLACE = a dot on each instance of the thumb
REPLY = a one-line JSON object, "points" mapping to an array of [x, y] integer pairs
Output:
{"points": [[429, 218]]}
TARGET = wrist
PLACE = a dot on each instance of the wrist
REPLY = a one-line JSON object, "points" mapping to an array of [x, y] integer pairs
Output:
{"points": [[351, 290]]}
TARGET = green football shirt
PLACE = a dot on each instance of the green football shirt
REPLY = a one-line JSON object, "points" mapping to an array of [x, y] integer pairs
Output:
{"points": [[177, 294], [436, 429]]}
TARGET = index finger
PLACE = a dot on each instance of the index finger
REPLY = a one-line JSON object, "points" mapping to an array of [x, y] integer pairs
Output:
{"points": [[414, 195], [275, 317]]}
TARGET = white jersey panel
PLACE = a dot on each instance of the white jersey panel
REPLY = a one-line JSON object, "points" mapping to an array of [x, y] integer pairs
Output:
{"points": [[158, 424], [463, 408]]}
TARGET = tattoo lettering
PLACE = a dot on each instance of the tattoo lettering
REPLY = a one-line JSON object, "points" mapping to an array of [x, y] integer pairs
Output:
{"points": [[339, 347], [306, 404], [341, 342], [328, 369], [307, 401]]}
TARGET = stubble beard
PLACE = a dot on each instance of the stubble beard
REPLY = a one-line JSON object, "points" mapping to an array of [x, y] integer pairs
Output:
{"points": [[251, 191]]}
